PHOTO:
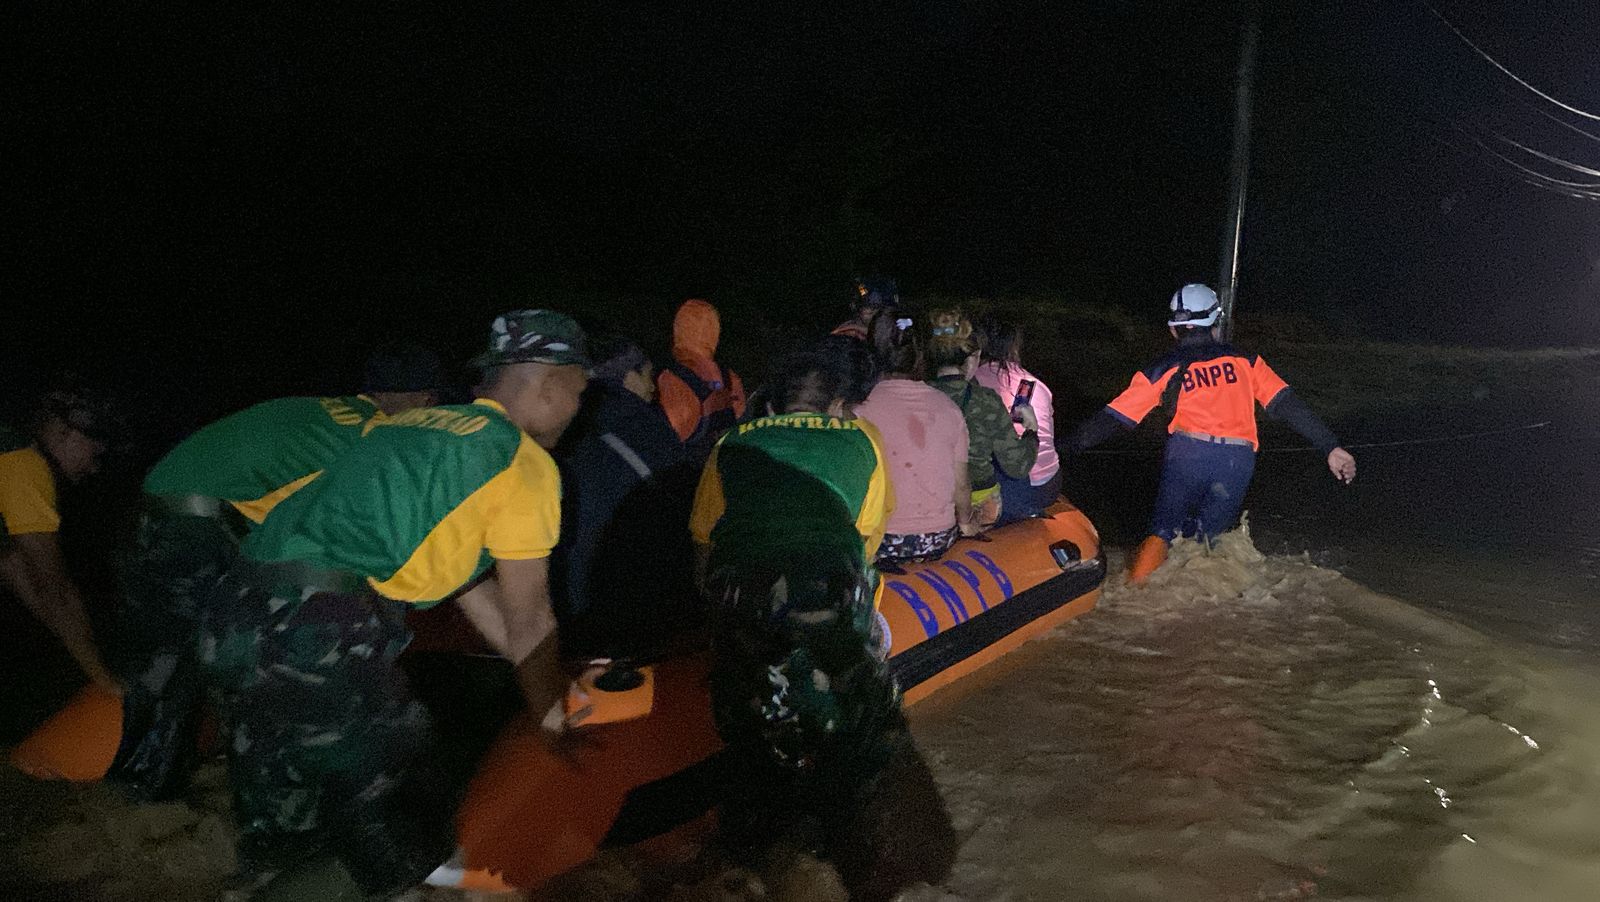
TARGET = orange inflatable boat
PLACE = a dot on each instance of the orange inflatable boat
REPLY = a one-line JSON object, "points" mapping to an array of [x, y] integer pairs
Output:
{"points": [[531, 815], [78, 743]]}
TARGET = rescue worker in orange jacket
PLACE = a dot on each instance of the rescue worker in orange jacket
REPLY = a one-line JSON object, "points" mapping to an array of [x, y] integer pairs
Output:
{"points": [[701, 397], [1212, 389]]}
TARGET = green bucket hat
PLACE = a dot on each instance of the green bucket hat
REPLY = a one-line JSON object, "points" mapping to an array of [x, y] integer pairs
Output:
{"points": [[534, 336]]}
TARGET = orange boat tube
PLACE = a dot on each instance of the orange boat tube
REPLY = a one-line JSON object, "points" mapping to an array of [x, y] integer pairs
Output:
{"points": [[648, 766], [531, 815], [78, 743]]}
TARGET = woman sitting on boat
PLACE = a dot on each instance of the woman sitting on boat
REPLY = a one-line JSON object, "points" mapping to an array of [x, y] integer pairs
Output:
{"points": [[1000, 368], [925, 441], [993, 444]]}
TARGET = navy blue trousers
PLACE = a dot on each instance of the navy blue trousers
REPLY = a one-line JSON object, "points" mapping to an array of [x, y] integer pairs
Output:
{"points": [[1021, 499], [1202, 488]]}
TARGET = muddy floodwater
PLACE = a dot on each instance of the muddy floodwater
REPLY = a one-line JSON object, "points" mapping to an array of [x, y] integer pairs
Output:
{"points": [[1396, 702], [1263, 728], [1245, 727]]}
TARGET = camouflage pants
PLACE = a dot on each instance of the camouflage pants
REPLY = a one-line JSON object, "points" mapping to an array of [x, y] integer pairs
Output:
{"points": [[328, 753], [802, 696], [175, 560]]}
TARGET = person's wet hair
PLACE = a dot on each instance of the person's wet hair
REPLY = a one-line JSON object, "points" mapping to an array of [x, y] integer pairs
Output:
{"points": [[863, 362], [883, 335], [949, 339], [905, 357], [615, 356], [1000, 341], [91, 409], [836, 368]]}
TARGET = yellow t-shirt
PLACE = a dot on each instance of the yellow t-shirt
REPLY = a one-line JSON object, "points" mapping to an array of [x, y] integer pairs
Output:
{"points": [[27, 493]]}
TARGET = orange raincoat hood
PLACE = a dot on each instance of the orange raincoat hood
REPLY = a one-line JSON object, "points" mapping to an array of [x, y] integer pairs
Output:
{"points": [[696, 329]]}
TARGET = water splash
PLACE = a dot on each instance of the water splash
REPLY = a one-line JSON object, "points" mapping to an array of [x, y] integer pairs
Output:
{"points": [[1252, 727]]}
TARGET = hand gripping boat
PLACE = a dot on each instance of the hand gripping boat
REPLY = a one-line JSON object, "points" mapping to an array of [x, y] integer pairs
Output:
{"points": [[531, 815]]}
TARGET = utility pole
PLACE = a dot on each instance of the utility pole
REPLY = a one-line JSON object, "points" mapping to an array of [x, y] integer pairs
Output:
{"points": [[1228, 275]]}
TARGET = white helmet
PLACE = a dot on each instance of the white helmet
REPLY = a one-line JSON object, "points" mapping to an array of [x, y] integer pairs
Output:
{"points": [[1195, 305]]}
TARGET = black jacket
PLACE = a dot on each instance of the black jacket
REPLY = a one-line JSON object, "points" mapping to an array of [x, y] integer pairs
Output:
{"points": [[622, 574]]}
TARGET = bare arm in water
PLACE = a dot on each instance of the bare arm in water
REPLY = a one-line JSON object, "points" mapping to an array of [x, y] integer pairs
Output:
{"points": [[36, 572], [513, 612]]}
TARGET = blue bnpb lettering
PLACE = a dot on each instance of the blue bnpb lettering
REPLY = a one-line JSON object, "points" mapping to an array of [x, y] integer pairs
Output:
{"points": [[987, 563], [970, 578], [947, 594], [930, 623], [1229, 373]]}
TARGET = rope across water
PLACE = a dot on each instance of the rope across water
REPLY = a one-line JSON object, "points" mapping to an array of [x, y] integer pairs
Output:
{"points": [[1458, 437]]}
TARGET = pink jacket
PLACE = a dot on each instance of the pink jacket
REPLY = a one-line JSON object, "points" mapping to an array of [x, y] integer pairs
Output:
{"points": [[1005, 380]]}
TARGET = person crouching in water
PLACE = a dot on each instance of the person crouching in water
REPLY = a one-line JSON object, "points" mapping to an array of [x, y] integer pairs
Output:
{"points": [[1212, 389], [200, 501], [71, 434], [336, 781], [789, 513]]}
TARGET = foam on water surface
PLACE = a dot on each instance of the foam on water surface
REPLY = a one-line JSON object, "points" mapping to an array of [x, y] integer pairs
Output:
{"points": [[1250, 727], [1245, 727]]}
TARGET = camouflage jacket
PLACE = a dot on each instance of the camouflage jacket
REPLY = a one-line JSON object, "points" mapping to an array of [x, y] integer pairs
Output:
{"points": [[992, 438]]}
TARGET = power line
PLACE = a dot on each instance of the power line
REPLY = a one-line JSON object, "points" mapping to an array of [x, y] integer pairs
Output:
{"points": [[1512, 75], [1526, 173], [1549, 115], [1581, 170], [1539, 179]]}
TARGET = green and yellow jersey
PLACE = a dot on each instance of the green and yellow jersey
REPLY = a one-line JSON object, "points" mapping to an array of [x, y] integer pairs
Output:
{"points": [[799, 481], [256, 458], [422, 504]]}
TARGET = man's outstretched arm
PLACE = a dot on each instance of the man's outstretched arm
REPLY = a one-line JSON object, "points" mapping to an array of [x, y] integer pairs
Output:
{"points": [[36, 572], [513, 612], [1286, 407]]}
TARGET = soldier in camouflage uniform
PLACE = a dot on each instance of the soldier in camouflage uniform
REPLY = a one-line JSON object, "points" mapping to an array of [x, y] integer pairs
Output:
{"points": [[789, 512], [331, 760], [201, 499], [992, 440], [206, 494], [328, 753], [802, 696]]}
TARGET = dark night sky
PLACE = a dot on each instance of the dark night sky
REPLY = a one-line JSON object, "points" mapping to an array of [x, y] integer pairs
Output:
{"points": [[247, 200]]}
